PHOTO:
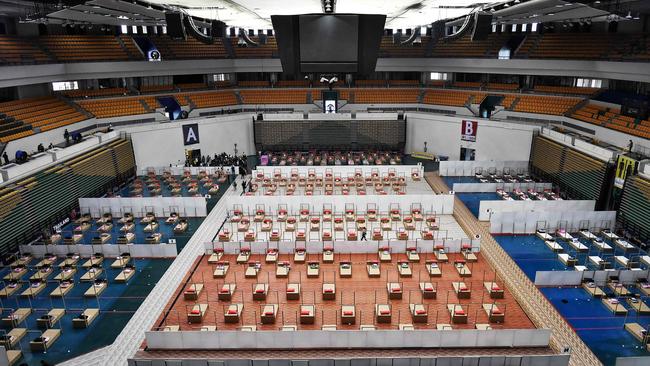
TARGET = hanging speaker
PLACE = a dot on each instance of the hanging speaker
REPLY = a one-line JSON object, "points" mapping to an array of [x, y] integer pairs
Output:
{"points": [[175, 28], [482, 26], [218, 29]]}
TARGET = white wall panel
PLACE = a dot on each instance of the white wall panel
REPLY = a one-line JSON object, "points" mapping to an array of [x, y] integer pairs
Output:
{"points": [[441, 204], [488, 208], [139, 206], [460, 168], [162, 144], [347, 339], [527, 222]]}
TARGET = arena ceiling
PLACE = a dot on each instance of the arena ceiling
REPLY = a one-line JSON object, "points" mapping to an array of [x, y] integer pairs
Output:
{"points": [[256, 14]]}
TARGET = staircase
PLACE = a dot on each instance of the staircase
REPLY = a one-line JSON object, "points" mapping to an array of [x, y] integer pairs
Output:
{"points": [[45, 50], [128, 51], [146, 106], [190, 102], [532, 301], [228, 47], [514, 104], [421, 95], [532, 48], [73, 105], [240, 100]]}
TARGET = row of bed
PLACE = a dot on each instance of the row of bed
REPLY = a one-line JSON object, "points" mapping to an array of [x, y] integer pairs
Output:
{"points": [[528, 195], [327, 223], [331, 158], [154, 184], [105, 225], [383, 312], [632, 263], [37, 282]]}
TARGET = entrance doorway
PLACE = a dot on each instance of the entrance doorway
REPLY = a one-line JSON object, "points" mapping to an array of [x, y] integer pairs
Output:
{"points": [[193, 157], [467, 154]]}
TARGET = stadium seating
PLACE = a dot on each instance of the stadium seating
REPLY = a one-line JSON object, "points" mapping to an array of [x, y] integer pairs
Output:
{"points": [[85, 48], [448, 97], [156, 88], [41, 197], [293, 83], [277, 96], [611, 118], [589, 46], [16, 51], [92, 93], [465, 47], [189, 49], [592, 113], [132, 49], [565, 90], [635, 206], [467, 84], [192, 86], [212, 99], [389, 49], [578, 174], [403, 83], [545, 105], [386, 95], [370, 83], [437, 83], [502, 86], [254, 84], [44, 113], [114, 107], [268, 50]]}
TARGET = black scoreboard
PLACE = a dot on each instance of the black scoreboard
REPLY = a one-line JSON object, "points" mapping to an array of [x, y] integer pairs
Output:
{"points": [[329, 134]]}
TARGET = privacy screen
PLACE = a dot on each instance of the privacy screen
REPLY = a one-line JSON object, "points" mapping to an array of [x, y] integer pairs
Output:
{"points": [[329, 38]]}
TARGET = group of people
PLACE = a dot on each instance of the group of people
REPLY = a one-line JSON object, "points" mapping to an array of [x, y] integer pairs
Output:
{"points": [[221, 160]]}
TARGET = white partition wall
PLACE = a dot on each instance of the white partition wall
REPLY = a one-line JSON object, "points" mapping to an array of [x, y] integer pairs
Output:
{"points": [[179, 169], [489, 208], [495, 140], [469, 168], [139, 206], [527, 222], [378, 339], [442, 204], [492, 187], [343, 170], [163, 250], [160, 144], [575, 278]]}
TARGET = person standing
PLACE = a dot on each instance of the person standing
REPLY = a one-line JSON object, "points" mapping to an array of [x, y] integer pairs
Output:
{"points": [[66, 136], [5, 157], [243, 187], [363, 234]]}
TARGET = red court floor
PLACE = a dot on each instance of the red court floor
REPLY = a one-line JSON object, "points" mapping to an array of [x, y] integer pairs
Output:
{"points": [[359, 290]]}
